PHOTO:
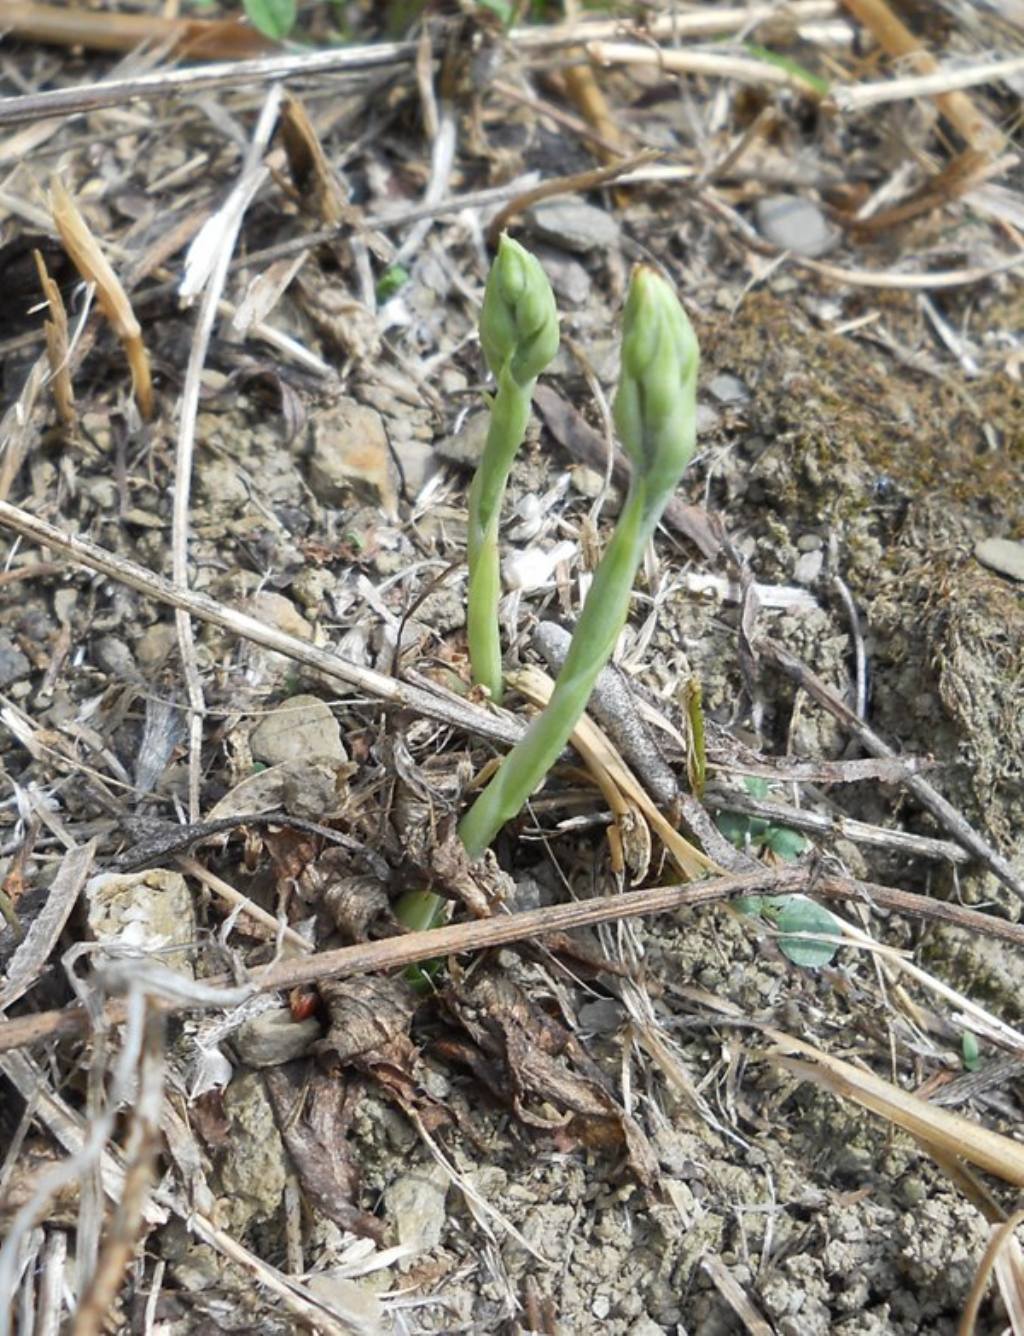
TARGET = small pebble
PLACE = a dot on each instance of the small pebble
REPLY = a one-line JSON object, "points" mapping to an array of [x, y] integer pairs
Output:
{"points": [[808, 567], [302, 727], [348, 451], [273, 1037], [796, 224], [418, 461], [574, 226], [466, 446], [149, 911], [728, 389], [1002, 555], [13, 664], [585, 480], [569, 279]]}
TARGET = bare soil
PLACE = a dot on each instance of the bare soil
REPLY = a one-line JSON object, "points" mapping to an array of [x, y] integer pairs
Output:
{"points": [[855, 459]]}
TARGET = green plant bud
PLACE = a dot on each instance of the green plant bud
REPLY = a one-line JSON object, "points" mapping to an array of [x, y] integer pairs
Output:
{"points": [[519, 323], [655, 404]]}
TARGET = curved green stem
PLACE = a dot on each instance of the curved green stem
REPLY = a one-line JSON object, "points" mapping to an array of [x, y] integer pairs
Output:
{"points": [[602, 619], [655, 413], [510, 413], [519, 337]]}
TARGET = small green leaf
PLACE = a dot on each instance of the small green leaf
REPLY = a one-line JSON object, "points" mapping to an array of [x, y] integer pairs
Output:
{"points": [[795, 913], [273, 18], [390, 281], [734, 827], [971, 1051], [755, 786], [785, 843], [749, 904]]}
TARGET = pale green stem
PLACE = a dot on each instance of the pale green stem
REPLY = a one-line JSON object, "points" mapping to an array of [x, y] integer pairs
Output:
{"points": [[510, 413], [602, 619]]}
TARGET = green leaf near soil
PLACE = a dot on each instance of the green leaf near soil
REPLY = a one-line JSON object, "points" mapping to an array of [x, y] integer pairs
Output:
{"points": [[390, 282], [790, 914], [273, 18]]}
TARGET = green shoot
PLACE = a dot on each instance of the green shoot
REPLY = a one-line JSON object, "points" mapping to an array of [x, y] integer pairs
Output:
{"points": [[696, 753], [391, 281], [970, 1051], [273, 18], [655, 414], [519, 335]]}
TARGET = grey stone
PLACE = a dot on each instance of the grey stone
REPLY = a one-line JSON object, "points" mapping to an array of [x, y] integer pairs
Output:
{"points": [[252, 1173], [13, 664], [415, 1204], [300, 728], [793, 223], [603, 1016], [467, 445], [587, 481], [273, 1037], [728, 389], [361, 1309], [570, 281], [417, 461], [1002, 555], [221, 485], [574, 226], [155, 645]]}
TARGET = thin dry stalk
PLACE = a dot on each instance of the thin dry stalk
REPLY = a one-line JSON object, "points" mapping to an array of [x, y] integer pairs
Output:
{"points": [[707, 21], [265, 923], [57, 348], [896, 39], [318, 188], [601, 756], [997, 1154], [1001, 1240], [397, 952], [216, 241], [442, 706], [224, 74], [734, 1295], [101, 30], [822, 823], [84, 251], [861, 96], [28, 963], [743, 69], [95, 1305]]}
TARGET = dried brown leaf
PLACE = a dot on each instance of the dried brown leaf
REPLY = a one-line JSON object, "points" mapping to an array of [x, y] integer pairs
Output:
{"points": [[317, 187], [56, 331], [547, 1066], [84, 251], [369, 1019], [479, 883], [314, 1115]]}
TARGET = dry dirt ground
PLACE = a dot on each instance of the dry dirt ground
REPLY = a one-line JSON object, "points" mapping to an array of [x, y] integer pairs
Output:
{"points": [[578, 1133]]}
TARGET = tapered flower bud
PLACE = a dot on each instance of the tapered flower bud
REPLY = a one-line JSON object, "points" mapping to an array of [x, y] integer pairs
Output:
{"points": [[519, 323], [655, 407]]}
